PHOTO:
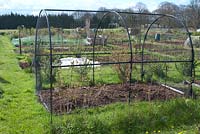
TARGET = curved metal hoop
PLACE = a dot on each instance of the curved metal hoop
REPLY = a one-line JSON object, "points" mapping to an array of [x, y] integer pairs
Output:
{"points": [[37, 68], [190, 41], [129, 40], [43, 13]]}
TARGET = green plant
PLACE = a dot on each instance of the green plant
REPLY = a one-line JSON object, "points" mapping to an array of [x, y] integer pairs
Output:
{"points": [[83, 71], [196, 65], [60, 78], [184, 68], [1, 92], [45, 70], [148, 77], [25, 62], [196, 33], [138, 117], [123, 70], [156, 70]]}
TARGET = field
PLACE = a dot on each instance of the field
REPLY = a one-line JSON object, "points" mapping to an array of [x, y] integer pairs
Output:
{"points": [[21, 112]]}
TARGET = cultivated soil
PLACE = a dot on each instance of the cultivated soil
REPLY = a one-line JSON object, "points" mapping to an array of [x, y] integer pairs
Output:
{"points": [[67, 99]]}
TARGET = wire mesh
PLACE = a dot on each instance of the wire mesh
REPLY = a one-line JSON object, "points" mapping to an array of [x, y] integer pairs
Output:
{"points": [[92, 58]]}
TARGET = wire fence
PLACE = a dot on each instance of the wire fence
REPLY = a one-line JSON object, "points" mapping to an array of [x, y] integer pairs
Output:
{"points": [[92, 58]]}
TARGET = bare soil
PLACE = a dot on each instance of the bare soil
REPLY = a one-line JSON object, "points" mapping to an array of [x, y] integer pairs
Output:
{"points": [[67, 99]]}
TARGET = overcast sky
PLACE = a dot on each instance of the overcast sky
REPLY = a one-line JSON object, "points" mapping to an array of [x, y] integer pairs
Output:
{"points": [[33, 6]]}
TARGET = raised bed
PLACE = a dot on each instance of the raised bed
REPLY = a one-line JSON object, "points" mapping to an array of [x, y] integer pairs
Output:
{"points": [[67, 99]]}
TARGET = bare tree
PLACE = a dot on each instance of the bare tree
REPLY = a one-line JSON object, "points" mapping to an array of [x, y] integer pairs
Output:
{"points": [[141, 7], [168, 8], [141, 20], [87, 17], [194, 10], [183, 14]]}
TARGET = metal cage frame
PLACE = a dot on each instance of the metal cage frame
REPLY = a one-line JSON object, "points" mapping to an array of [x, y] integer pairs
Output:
{"points": [[131, 62]]}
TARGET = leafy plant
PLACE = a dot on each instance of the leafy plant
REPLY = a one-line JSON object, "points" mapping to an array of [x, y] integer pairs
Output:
{"points": [[83, 71], [153, 71], [45, 70], [25, 62], [158, 70]]}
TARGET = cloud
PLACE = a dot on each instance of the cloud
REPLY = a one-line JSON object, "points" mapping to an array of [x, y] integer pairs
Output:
{"points": [[35, 5], [4, 6]]}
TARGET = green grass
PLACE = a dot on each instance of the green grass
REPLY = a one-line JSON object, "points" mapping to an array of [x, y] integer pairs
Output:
{"points": [[108, 74], [72, 76], [139, 117], [20, 113]]}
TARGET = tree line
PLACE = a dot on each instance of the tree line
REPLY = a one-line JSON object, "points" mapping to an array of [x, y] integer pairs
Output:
{"points": [[12, 21], [190, 14]]}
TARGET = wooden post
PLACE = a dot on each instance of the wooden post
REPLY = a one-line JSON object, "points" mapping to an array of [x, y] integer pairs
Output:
{"points": [[20, 42], [87, 26]]}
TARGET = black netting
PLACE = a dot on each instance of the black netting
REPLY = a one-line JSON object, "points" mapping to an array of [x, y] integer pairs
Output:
{"points": [[93, 58]]}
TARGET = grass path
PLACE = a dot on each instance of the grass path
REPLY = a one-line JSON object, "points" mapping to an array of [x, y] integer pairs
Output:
{"points": [[20, 113]]}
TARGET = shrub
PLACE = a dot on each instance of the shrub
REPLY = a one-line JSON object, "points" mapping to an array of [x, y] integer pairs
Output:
{"points": [[148, 77], [123, 70], [184, 68], [25, 62], [83, 71], [156, 69]]}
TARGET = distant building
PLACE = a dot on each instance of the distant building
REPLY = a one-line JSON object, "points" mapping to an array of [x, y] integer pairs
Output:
{"points": [[100, 40]]}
